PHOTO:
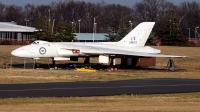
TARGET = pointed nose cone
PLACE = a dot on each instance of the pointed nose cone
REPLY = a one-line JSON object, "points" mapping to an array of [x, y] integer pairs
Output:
{"points": [[16, 53], [13, 52], [19, 52]]}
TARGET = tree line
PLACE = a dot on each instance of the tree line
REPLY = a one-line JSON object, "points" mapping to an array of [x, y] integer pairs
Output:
{"points": [[59, 19]]}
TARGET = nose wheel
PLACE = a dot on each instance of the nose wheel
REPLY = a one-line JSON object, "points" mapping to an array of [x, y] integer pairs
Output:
{"points": [[54, 63]]}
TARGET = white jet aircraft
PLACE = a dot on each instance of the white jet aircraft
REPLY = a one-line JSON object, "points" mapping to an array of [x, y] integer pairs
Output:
{"points": [[133, 44]]}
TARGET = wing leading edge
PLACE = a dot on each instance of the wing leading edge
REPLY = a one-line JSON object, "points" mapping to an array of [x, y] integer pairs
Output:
{"points": [[88, 50], [130, 53]]}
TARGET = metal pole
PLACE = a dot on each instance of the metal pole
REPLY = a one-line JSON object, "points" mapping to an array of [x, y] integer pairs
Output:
{"points": [[12, 29], [26, 21], [24, 63], [170, 28], [49, 17], [72, 26], [79, 27], [189, 32], [130, 25], [93, 29], [33, 64], [12, 32], [196, 32], [11, 62], [53, 25]]}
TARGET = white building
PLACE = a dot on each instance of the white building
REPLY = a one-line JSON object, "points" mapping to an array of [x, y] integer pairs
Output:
{"points": [[90, 37], [12, 31]]}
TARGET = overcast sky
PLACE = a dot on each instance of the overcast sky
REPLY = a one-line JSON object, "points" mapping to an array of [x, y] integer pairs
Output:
{"points": [[122, 2]]}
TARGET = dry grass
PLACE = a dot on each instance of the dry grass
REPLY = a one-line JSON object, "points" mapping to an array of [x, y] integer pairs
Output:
{"points": [[37, 76], [191, 63], [126, 103], [148, 103]]}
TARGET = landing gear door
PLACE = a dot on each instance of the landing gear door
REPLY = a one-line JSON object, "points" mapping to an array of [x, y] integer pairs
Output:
{"points": [[103, 59]]}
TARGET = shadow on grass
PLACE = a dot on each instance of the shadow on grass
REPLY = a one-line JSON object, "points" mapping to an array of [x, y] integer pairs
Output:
{"points": [[70, 66]]}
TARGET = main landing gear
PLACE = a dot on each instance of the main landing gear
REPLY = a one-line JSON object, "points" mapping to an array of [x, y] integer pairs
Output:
{"points": [[112, 61], [87, 60]]}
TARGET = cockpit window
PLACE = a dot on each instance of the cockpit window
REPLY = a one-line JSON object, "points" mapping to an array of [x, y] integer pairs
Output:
{"points": [[39, 42], [33, 43]]}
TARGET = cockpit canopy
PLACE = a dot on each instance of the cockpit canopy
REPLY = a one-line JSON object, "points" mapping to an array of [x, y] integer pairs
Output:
{"points": [[40, 42]]}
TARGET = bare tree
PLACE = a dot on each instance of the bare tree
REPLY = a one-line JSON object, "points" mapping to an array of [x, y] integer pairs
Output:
{"points": [[2, 11], [115, 15], [191, 13], [152, 10], [29, 12], [14, 13]]}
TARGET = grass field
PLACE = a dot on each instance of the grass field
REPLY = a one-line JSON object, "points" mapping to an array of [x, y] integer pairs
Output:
{"points": [[188, 68]]}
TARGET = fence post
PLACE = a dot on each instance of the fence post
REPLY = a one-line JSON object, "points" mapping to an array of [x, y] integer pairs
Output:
{"points": [[24, 63], [11, 62]]}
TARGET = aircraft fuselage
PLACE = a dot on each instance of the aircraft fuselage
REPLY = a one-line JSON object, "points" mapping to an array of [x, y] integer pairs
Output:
{"points": [[69, 49]]}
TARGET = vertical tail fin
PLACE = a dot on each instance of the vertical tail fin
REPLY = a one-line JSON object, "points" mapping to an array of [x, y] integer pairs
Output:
{"points": [[138, 36]]}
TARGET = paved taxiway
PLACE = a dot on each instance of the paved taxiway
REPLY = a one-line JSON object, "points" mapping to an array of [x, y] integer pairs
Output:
{"points": [[66, 89]]}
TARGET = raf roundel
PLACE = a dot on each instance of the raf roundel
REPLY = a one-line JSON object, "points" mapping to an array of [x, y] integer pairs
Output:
{"points": [[42, 50]]}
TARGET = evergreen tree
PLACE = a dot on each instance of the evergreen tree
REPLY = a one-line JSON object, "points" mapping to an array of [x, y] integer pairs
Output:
{"points": [[111, 37], [171, 34], [38, 25], [44, 28], [65, 32], [114, 37], [152, 38]]}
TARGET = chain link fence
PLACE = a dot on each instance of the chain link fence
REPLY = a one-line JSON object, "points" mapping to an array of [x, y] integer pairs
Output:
{"points": [[22, 63]]}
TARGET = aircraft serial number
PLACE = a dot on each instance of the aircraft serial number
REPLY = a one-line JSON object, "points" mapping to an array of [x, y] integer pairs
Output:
{"points": [[133, 42]]}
